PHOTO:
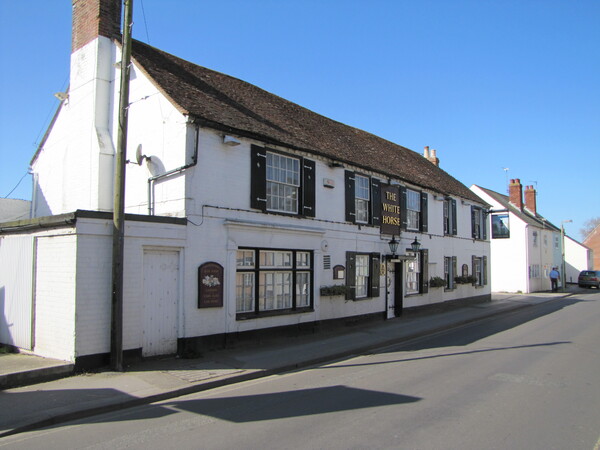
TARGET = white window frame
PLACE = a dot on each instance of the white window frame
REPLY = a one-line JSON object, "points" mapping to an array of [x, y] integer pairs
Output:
{"points": [[362, 197], [413, 271], [362, 275], [283, 183], [413, 210]]}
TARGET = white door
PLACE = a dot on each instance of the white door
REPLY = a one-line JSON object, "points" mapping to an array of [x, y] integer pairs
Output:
{"points": [[161, 294]]}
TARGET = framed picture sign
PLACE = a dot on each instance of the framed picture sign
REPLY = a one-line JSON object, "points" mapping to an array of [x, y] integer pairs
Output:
{"points": [[210, 285]]}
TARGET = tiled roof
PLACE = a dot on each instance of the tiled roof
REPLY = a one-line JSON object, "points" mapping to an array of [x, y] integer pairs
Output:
{"points": [[226, 103], [525, 215]]}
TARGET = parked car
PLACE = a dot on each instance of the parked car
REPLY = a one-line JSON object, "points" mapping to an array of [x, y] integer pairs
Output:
{"points": [[589, 278]]}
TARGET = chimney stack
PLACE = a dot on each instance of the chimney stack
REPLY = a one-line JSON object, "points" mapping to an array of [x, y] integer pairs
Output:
{"points": [[530, 199], [430, 155], [93, 18], [515, 193]]}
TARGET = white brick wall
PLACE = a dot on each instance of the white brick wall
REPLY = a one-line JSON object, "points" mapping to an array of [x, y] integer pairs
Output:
{"points": [[55, 297]]}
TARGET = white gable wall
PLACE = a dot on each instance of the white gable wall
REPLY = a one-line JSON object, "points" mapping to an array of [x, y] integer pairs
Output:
{"points": [[74, 166], [164, 135]]}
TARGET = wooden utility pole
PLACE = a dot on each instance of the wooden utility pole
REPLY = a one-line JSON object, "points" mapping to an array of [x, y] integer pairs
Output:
{"points": [[116, 331]]}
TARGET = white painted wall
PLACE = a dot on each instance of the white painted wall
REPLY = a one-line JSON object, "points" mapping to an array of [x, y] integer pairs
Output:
{"points": [[55, 296], [16, 290], [74, 167], [222, 221], [577, 258]]}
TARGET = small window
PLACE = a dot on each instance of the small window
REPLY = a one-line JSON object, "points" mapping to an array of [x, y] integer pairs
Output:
{"points": [[478, 223], [413, 210], [283, 181], [449, 271], [362, 198], [450, 217], [362, 276]]}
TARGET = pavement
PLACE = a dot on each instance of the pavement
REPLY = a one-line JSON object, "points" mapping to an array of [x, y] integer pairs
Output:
{"points": [[40, 403]]}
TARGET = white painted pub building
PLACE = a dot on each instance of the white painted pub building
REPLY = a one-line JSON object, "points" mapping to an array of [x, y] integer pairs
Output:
{"points": [[247, 214]]}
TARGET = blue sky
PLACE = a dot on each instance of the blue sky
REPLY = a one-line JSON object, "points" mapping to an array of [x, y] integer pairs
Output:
{"points": [[488, 84]]}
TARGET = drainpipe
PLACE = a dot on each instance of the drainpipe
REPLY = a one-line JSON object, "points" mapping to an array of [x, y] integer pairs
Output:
{"points": [[155, 178]]}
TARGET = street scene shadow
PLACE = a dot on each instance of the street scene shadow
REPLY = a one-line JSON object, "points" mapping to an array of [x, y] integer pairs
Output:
{"points": [[474, 332]]}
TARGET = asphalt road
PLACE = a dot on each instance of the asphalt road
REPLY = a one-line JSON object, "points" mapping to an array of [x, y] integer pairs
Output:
{"points": [[525, 380]]}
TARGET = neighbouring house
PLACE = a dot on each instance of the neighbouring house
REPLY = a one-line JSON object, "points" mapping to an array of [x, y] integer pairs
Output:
{"points": [[12, 209], [524, 245], [578, 257], [247, 214], [592, 241]]}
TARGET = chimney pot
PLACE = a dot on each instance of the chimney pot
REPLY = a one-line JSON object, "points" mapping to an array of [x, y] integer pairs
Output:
{"points": [[426, 152]]}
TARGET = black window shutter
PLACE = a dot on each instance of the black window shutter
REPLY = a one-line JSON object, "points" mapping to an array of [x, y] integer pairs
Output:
{"points": [[483, 224], [424, 212], [424, 281], [375, 202], [350, 197], [350, 276], [473, 231], [484, 270], [473, 262], [375, 268], [454, 227], [308, 188], [258, 178], [403, 215], [454, 274]]}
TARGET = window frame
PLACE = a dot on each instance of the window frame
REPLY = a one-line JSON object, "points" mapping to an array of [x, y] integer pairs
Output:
{"points": [[415, 214], [449, 213], [372, 280], [422, 279], [479, 262], [450, 272], [373, 204], [300, 269], [424, 210], [306, 190], [478, 223]]}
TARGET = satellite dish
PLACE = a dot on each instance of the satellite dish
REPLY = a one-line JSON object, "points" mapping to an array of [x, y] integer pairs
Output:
{"points": [[139, 157]]}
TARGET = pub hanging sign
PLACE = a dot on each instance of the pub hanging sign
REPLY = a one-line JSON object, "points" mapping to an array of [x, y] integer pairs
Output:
{"points": [[390, 209], [210, 285]]}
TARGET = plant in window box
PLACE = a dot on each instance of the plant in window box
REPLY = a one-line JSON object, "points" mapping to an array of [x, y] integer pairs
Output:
{"points": [[437, 282], [334, 290], [469, 279]]}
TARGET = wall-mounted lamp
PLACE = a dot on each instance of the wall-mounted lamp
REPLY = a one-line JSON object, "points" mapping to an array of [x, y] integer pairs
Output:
{"points": [[230, 141], [393, 246], [415, 246], [335, 164], [62, 96]]}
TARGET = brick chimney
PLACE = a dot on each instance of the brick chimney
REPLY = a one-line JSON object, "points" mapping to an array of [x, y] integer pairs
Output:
{"points": [[93, 18], [515, 193], [530, 199], [430, 155]]}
